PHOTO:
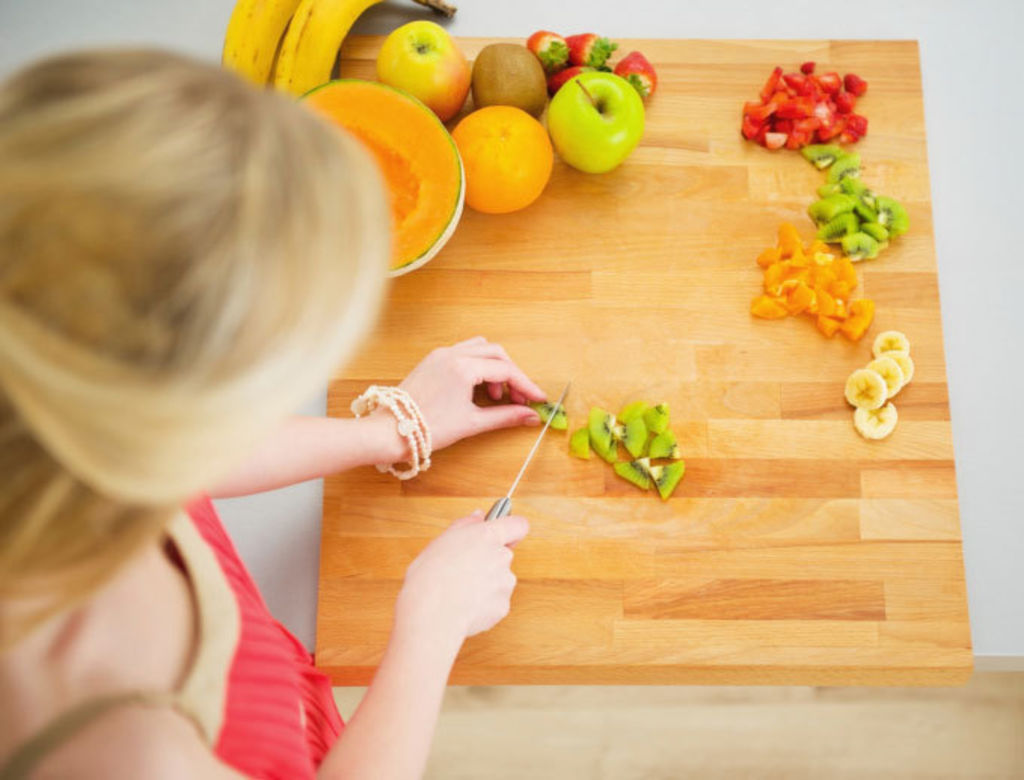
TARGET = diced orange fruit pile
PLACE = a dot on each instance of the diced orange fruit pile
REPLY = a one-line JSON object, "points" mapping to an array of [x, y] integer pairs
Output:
{"points": [[811, 280]]}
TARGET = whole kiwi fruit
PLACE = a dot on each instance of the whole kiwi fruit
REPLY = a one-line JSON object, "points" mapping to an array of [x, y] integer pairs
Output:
{"points": [[507, 74]]}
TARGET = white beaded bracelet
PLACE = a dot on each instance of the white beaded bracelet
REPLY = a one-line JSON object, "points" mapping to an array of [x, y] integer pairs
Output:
{"points": [[411, 426]]}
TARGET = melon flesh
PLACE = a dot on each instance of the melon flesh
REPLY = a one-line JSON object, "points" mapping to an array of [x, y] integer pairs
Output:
{"points": [[416, 156]]}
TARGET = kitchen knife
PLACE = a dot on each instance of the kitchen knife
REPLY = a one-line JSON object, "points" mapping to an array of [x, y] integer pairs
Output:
{"points": [[503, 506]]}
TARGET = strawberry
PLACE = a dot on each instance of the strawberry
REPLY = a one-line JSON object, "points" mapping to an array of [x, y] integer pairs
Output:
{"points": [[757, 112], [556, 80], [775, 140], [824, 114], [845, 102], [589, 49], [750, 128], [855, 84], [826, 133], [550, 49], [782, 126], [635, 69], [799, 84], [857, 124], [830, 83], [771, 85], [807, 68], [848, 137], [797, 139], [797, 108]]}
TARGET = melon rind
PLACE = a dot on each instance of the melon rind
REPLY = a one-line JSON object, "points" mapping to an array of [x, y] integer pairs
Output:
{"points": [[446, 234], [456, 214]]}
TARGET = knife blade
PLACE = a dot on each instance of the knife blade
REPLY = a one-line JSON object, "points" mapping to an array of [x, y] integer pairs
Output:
{"points": [[503, 505]]}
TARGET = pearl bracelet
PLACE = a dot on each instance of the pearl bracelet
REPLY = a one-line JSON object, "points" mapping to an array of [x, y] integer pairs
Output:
{"points": [[411, 426]]}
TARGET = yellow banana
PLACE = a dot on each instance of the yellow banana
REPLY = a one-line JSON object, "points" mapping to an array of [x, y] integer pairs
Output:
{"points": [[311, 44], [253, 33]]}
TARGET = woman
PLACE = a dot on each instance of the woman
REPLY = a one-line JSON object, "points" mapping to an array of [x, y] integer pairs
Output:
{"points": [[183, 259]]}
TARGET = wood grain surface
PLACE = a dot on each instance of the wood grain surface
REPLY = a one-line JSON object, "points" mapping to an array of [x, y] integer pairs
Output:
{"points": [[793, 551]]}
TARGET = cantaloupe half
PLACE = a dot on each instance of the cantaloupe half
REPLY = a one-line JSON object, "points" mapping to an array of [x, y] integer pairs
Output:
{"points": [[417, 157]]}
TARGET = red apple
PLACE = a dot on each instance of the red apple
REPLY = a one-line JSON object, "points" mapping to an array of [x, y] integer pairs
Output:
{"points": [[423, 60]]}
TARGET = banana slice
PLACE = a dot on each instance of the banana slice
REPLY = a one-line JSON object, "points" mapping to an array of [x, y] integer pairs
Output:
{"points": [[866, 389], [875, 423], [890, 371], [906, 365], [890, 341]]}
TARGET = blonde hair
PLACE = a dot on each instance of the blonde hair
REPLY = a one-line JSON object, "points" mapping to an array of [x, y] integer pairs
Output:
{"points": [[183, 259]]}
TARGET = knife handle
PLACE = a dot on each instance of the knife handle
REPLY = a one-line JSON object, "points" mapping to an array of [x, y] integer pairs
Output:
{"points": [[500, 508]]}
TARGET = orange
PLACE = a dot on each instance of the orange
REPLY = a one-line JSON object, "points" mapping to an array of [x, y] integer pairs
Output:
{"points": [[507, 156]]}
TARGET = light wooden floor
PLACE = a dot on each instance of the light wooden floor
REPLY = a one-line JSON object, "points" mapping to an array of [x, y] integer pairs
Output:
{"points": [[660, 732]]}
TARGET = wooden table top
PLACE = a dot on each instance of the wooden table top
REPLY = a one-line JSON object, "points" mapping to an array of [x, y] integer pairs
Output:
{"points": [[793, 552]]}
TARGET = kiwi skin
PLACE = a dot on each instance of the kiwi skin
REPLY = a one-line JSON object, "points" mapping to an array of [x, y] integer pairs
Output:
{"points": [[508, 74]]}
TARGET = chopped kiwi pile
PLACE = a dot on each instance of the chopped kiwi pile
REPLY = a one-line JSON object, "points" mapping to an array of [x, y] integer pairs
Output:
{"points": [[848, 212], [642, 429]]}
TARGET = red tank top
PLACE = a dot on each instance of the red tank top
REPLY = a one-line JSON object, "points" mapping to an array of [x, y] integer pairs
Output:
{"points": [[279, 715]]}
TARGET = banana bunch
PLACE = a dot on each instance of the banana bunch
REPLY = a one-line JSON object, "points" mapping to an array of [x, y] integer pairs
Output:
{"points": [[292, 44], [869, 389]]}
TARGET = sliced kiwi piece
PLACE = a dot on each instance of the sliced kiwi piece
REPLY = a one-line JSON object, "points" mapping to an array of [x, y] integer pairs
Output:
{"points": [[827, 209], [876, 230], [858, 189], [579, 443], [657, 418], [667, 477], [664, 446], [631, 410], [634, 436], [546, 409], [636, 472], [600, 425], [846, 166], [827, 189], [892, 215], [834, 230], [821, 155], [860, 246], [865, 212]]}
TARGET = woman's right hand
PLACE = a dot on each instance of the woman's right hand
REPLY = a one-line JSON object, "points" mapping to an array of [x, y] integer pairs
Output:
{"points": [[462, 583]]}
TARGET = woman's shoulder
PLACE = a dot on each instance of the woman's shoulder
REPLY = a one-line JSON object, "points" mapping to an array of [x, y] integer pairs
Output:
{"points": [[135, 741]]}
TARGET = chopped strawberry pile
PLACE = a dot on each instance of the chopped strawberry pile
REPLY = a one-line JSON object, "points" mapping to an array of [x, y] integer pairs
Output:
{"points": [[801, 108]]}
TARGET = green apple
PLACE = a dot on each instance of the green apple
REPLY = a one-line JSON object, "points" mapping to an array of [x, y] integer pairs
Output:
{"points": [[595, 121]]}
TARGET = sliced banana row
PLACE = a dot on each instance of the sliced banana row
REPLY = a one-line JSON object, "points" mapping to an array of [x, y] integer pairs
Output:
{"points": [[869, 389]]}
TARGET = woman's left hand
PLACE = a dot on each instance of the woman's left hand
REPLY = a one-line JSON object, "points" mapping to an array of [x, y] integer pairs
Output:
{"points": [[442, 386]]}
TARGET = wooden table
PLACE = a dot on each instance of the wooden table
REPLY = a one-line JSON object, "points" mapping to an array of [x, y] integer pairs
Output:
{"points": [[794, 552]]}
